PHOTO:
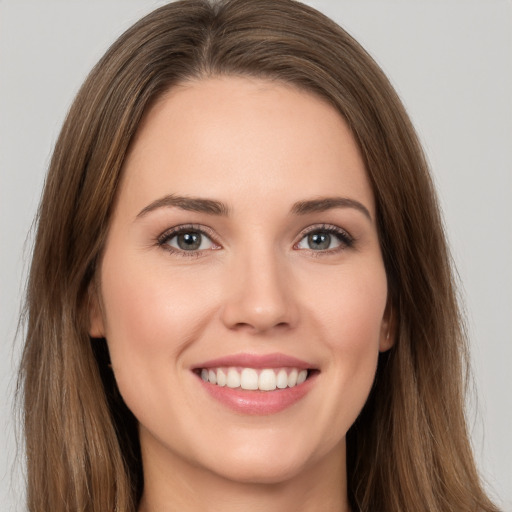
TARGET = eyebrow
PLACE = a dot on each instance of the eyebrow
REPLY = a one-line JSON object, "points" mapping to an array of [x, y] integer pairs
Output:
{"points": [[213, 207], [193, 204], [327, 203]]}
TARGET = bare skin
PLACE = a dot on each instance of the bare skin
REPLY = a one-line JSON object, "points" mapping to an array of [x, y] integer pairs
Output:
{"points": [[244, 228]]}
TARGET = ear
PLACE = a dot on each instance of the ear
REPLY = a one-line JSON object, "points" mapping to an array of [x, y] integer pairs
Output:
{"points": [[96, 322], [388, 328]]}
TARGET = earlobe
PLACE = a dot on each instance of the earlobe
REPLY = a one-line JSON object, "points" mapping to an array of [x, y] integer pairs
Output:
{"points": [[388, 329], [96, 323]]}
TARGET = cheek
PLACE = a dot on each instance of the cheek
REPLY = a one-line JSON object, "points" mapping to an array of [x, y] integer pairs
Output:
{"points": [[350, 319], [357, 327], [152, 315], [350, 307]]}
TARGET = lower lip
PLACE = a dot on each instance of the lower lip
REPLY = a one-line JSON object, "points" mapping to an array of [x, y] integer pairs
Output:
{"points": [[258, 402]]}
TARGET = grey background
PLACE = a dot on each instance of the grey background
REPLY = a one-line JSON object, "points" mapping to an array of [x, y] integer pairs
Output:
{"points": [[451, 62]]}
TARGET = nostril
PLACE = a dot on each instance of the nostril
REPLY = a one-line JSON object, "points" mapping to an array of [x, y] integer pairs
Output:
{"points": [[256, 327]]}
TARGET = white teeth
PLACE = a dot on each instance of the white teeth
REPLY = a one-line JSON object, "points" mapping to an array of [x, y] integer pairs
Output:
{"points": [[282, 379], [249, 379], [233, 380], [267, 379], [221, 378]]}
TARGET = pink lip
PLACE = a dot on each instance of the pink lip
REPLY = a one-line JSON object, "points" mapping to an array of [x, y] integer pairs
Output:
{"points": [[257, 402], [256, 361]]}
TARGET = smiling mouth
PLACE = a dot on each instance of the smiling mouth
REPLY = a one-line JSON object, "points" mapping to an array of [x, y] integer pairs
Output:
{"points": [[252, 379]]}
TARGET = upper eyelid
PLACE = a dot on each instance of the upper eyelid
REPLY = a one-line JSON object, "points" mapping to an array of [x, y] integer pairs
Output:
{"points": [[325, 227], [205, 230]]}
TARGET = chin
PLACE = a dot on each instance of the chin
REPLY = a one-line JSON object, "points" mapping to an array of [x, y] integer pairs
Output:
{"points": [[261, 472], [272, 463]]}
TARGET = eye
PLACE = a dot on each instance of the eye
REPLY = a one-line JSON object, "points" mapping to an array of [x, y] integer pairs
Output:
{"points": [[186, 239], [328, 238]]}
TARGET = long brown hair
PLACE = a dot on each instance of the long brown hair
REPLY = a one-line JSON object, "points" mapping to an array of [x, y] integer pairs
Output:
{"points": [[409, 448]]}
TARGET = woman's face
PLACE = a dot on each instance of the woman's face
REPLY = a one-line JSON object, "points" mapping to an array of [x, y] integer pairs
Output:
{"points": [[243, 251]]}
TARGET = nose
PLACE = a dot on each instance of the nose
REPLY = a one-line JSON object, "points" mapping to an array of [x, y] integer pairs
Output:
{"points": [[260, 295]]}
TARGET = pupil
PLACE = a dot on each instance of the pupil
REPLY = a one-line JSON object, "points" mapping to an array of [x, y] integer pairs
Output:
{"points": [[319, 241], [189, 241]]}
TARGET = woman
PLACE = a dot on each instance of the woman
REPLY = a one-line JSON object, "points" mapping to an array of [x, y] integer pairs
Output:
{"points": [[240, 294]]}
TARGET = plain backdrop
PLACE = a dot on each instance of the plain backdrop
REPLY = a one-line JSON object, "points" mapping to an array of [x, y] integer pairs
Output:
{"points": [[451, 62]]}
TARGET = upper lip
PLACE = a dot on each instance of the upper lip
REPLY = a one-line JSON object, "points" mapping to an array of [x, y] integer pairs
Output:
{"points": [[275, 360]]}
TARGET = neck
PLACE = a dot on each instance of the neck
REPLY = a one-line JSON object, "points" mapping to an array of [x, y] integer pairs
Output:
{"points": [[185, 488]]}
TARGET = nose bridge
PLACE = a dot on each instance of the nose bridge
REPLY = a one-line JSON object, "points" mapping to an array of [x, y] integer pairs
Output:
{"points": [[259, 290]]}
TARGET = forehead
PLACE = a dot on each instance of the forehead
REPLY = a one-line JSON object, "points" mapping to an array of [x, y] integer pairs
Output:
{"points": [[217, 136]]}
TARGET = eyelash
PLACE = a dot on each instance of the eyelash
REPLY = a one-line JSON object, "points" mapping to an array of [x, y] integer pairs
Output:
{"points": [[164, 238], [346, 240]]}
